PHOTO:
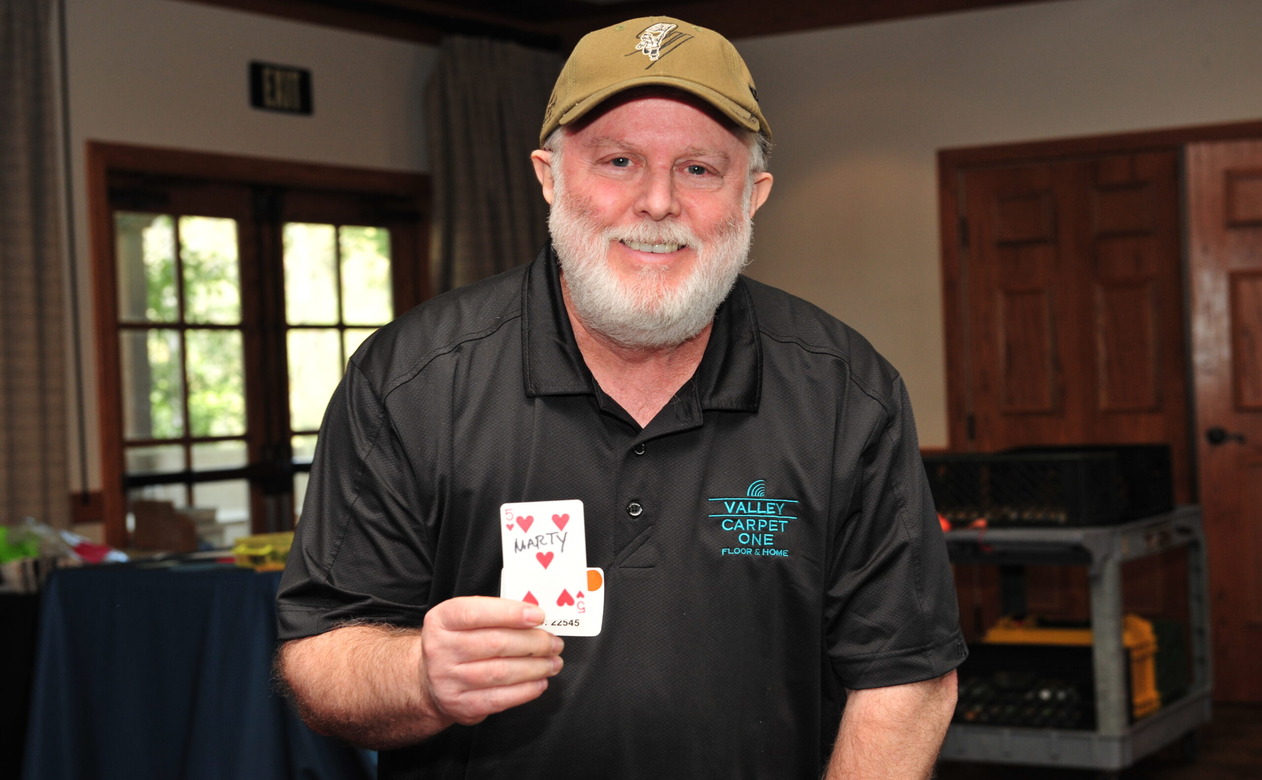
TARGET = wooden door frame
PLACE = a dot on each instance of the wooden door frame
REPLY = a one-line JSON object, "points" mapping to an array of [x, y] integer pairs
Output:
{"points": [[103, 158], [953, 163]]}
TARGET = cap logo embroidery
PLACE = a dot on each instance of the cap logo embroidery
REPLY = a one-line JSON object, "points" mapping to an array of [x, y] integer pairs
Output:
{"points": [[652, 38]]}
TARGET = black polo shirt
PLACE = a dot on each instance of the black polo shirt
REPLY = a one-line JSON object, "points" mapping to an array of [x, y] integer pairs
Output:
{"points": [[767, 538]]}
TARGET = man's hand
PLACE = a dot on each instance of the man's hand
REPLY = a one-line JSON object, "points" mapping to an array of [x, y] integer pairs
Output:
{"points": [[383, 687], [484, 655]]}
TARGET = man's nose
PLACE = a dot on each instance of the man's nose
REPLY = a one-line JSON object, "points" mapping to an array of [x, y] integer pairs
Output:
{"points": [[658, 197]]}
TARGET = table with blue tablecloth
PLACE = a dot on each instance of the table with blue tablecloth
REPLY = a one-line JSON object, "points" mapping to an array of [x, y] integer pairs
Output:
{"points": [[149, 671]]}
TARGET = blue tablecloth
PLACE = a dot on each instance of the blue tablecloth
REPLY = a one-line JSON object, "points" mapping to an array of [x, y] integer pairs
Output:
{"points": [[166, 673]]}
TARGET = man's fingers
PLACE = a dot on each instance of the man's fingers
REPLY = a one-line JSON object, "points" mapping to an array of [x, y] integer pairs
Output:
{"points": [[468, 692], [477, 628], [479, 644], [471, 612], [474, 706], [483, 655], [500, 672], [502, 643]]}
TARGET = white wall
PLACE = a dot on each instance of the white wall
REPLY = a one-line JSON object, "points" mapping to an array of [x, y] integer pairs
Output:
{"points": [[174, 74], [859, 113]]}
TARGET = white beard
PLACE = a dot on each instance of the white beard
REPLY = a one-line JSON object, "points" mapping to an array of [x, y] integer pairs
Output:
{"points": [[647, 312]]}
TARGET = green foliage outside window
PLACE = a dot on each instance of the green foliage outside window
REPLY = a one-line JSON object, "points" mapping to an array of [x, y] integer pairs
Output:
{"points": [[332, 274]]}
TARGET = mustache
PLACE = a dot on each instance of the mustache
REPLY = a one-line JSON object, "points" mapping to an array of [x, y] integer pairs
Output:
{"points": [[651, 232]]}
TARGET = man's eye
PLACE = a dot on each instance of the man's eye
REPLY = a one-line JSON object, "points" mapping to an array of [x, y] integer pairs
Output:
{"points": [[697, 170], [620, 162]]}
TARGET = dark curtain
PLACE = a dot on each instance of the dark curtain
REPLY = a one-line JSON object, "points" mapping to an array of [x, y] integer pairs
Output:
{"points": [[484, 105]]}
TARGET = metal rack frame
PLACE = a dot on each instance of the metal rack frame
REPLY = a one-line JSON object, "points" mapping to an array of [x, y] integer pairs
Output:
{"points": [[1115, 743]]}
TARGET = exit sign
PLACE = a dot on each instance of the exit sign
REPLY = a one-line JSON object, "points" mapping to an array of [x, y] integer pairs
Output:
{"points": [[280, 88]]}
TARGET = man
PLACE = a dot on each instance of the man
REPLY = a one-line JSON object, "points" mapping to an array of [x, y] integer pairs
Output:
{"points": [[747, 466]]}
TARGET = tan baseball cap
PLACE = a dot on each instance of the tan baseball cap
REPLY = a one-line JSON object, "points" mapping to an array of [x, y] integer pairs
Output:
{"points": [[654, 51]]}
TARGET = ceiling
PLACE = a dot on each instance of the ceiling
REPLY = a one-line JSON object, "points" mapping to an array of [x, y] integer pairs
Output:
{"points": [[559, 23]]}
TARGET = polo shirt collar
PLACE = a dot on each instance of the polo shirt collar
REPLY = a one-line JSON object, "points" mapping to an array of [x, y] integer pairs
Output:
{"points": [[729, 377]]}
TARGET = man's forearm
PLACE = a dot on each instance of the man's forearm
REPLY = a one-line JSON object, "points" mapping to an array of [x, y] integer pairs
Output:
{"points": [[363, 684], [385, 687], [893, 732]]}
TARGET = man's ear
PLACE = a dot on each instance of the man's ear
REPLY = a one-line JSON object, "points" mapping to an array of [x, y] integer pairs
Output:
{"points": [[762, 189], [542, 160]]}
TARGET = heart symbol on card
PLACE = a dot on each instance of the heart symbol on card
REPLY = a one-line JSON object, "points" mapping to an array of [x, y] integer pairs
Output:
{"points": [[529, 598], [525, 522], [561, 520], [565, 599], [545, 558]]}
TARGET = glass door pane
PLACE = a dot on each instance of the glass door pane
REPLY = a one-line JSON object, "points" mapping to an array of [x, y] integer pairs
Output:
{"points": [[182, 366], [338, 290], [365, 274]]}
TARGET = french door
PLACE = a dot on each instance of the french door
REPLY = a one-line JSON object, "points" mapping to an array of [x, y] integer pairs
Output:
{"points": [[228, 305]]}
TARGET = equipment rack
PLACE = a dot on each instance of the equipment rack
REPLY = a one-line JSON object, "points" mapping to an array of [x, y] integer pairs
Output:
{"points": [[1115, 743]]}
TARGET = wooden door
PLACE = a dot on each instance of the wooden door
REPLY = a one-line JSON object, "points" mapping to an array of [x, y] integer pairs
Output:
{"points": [[1225, 274], [1065, 326], [1071, 306]]}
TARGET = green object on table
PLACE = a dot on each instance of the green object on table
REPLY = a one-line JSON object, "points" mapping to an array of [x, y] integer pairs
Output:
{"points": [[24, 546]]}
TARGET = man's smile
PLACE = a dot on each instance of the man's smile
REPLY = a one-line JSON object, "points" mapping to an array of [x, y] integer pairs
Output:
{"points": [[657, 249]]}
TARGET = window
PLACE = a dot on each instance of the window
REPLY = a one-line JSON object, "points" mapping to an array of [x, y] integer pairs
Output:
{"points": [[337, 292], [228, 305]]}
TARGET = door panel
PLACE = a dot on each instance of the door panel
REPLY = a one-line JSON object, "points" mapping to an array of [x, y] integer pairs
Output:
{"points": [[1073, 325], [1225, 269]]}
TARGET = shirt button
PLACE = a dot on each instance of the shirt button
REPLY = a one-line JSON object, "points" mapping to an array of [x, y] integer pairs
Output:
{"points": [[634, 509], [639, 449]]}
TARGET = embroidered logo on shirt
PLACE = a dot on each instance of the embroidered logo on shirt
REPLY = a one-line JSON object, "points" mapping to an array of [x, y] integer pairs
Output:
{"points": [[754, 524]]}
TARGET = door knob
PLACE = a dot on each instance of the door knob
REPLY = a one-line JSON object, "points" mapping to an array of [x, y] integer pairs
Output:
{"points": [[1218, 435]]}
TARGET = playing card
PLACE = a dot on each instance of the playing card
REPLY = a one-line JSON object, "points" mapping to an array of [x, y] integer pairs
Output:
{"points": [[573, 601], [541, 536]]}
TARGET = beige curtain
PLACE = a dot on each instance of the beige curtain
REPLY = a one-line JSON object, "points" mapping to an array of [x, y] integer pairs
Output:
{"points": [[33, 438], [484, 106]]}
